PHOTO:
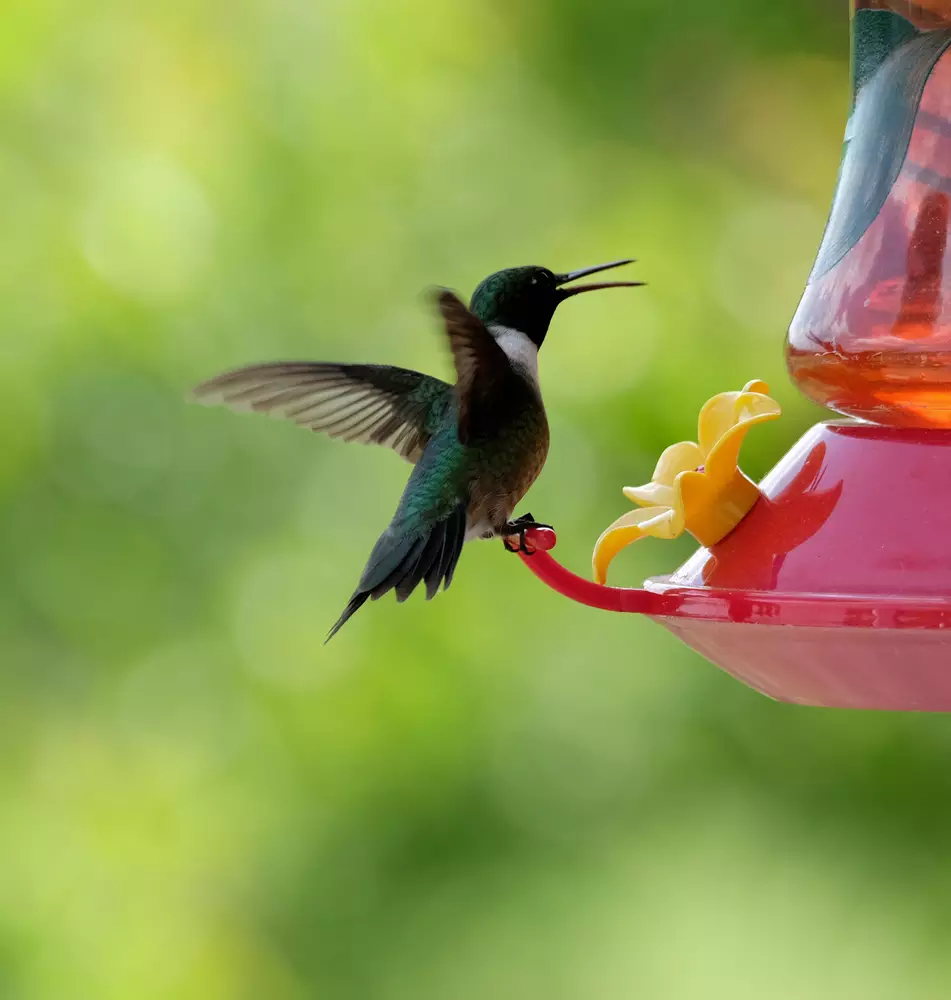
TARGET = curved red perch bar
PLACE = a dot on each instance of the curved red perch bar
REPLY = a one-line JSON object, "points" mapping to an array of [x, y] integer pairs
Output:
{"points": [[636, 601]]}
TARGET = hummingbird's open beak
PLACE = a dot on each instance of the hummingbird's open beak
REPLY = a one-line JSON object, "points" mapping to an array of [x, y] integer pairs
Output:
{"points": [[566, 293]]}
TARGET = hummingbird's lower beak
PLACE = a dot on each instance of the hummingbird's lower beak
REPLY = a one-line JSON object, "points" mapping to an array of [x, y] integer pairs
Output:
{"points": [[563, 279]]}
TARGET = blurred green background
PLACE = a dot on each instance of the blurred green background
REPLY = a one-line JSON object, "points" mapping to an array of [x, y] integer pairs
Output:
{"points": [[499, 794]]}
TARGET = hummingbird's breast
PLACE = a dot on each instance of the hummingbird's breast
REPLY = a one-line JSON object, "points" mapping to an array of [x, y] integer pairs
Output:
{"points": [[505, 467]]}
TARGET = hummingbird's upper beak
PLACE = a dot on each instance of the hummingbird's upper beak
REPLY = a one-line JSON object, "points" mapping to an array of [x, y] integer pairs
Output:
{"points": [[562, 279]]}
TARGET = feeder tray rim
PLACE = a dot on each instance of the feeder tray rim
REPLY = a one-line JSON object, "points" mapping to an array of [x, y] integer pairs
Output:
{"points": [[802, 609]]}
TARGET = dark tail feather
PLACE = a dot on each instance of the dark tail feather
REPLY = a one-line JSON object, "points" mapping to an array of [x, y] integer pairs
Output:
{"points": [[454, 549], [431, 551], [401, 564], [434, 572], [356, 602]]}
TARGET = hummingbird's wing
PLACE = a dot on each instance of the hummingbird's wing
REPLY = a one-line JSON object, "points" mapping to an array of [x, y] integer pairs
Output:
{"points": [[371, 404], [482, 367]]}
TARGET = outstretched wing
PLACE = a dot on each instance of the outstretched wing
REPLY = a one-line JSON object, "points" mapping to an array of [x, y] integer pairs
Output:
{"points": [[482, 369], [372, 404]]}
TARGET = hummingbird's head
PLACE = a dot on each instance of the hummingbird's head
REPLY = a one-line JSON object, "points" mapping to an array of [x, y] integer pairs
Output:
{"points": [[525, 298]]}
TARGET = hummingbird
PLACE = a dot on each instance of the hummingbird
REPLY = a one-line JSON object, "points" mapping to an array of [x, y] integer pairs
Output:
{"points": [[476, 447]]}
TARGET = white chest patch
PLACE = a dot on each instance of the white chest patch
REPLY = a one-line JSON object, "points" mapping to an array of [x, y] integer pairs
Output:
{"points": [[519, 349]]}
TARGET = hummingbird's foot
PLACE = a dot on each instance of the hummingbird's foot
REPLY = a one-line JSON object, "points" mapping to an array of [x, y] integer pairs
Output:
{"points": [[524, 519], [513, 534]]}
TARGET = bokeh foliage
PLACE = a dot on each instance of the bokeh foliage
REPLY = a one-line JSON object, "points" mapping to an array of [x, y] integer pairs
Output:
{"points": [[497, 794]]}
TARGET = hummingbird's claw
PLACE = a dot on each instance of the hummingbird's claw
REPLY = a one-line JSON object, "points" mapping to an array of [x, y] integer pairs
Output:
{"points": [[517, 530]]}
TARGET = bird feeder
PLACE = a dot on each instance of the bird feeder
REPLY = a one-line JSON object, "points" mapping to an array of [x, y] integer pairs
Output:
{"points": [[829, 583]]}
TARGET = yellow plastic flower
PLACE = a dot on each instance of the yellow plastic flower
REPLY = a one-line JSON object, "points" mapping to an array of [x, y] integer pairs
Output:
{"points": [[696, 487]]}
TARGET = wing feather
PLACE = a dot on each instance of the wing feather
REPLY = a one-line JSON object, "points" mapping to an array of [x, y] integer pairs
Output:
{"points": [[481, 366], [372, 404]]}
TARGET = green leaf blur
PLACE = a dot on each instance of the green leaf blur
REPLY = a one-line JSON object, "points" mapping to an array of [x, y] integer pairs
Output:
{"points": [[497, 794]]}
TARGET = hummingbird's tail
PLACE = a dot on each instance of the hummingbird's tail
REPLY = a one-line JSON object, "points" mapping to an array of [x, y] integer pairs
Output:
{"points": [[353, 606], [401, 561]]}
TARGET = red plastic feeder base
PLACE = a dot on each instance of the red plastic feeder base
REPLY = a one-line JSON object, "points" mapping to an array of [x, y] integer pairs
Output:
{"points": [[835, 590], [871, 668]]}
